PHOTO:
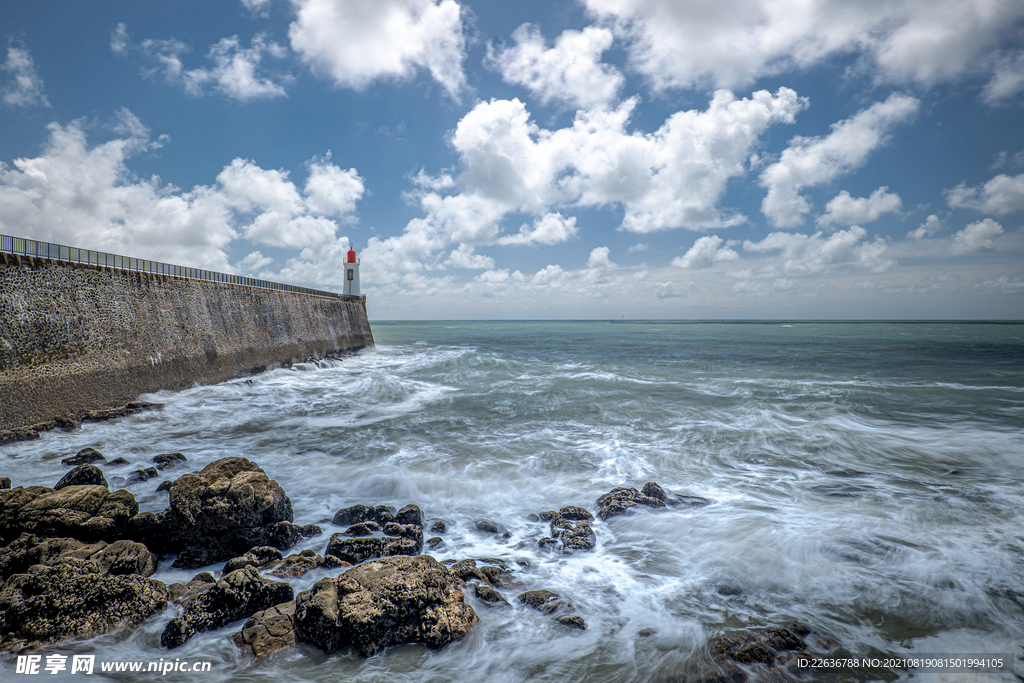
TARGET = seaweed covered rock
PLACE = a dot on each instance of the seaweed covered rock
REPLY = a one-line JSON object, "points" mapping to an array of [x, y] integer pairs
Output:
{"points": [[386, 602], [356, 550], [357, 514], [88, 513], [490, 570], [83, 475], [256, 557], [268, 631], [47, 604], [573, 535], [239, 594], [116, 559], [620, 499]]}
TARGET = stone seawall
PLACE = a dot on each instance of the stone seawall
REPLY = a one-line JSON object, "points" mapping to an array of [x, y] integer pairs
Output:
{"points": [[76, 339]]}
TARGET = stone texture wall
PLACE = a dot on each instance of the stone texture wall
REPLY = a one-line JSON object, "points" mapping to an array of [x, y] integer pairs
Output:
{"points": [[75, 339]]}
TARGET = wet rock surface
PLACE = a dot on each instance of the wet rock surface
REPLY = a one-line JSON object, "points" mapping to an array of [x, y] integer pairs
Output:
{"points": [[239, 594], [544, 601], [355, 514], [183, 592], [88, 513], [268, 631], [386, 602], [620, 499], [256, 557], [573, 535], [356, 550], [165, 460], [299, 564], [115, 559], [86, 456], [83, 475]]}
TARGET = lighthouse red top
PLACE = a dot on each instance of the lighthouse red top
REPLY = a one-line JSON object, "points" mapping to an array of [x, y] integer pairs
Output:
{"points": [[351, 255]]}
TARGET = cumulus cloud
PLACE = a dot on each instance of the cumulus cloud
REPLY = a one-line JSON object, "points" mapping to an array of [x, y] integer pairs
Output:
{"points": [[976, 237], [25, 88], [465, 257], [551, 228], [236, 71], [599, 260], [85, 194], [1000, 195], [704, 253], [807, 254], [848, 210], [570, 72], [357, 42], [931, 225], [813, 161], [732, 43], [1007, 79]]}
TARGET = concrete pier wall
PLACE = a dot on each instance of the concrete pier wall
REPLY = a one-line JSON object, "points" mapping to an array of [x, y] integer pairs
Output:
{"points": [[76, 338]]}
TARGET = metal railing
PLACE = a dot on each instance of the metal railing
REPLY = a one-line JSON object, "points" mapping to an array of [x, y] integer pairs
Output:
{"points": [[101, 259]]}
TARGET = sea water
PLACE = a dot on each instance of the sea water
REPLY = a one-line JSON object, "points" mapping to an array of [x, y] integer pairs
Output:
{"points": [[866, 479]]}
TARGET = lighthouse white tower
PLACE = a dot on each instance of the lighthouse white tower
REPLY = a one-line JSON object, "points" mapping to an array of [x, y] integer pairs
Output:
{"points": [[352, 274]]}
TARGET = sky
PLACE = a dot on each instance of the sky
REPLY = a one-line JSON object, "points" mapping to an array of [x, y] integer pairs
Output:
{"points": [[556, 159]]}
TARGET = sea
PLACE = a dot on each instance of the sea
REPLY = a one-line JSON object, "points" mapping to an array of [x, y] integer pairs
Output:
{"points": [[865, 479]]}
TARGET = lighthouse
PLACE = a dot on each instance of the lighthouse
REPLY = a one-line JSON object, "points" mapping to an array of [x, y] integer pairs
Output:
{"points": [[352, 274]]}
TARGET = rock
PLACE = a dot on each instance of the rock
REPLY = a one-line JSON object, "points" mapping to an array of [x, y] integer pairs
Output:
{"points": [[309, 530], [547, 541], [167, 459], [83, 475], [488, 594], [652, 490], [688, 501], [410, 514], [438, 527], [200, 583], [239, 594], [410, 531], [547, 515], [118, 461], [5, 482], [363, 513], [143, 475], [164, 486], [115, 559], [646, 632], [543, 601], [356, 550], [363, 529], [47, 604], [573, 535], [488, 527], [268, 631], [386, 602], [620, 499], [575, 513], [88, 513], [754, 646], [573, 622], [332, 562], [434, 542], [295, 565], [220, 513], [86, 456], [256, 557], [493, 572]]}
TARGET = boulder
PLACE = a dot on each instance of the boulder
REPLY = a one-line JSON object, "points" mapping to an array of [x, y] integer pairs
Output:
{"points": [[543, 601], [620, 499], [653, 490], [574, 621], [489, 595], [295, 565], [256, 557], [386, 602], [88, 513], [363, 513], [488, 527], [239, 594], [575, 513], [438, 527], [410, 514], [184, 592], [113, 559], [268, 631], [356, 550], [118, 461], [165, 460], [573, 535], [86, 456], [47, 604], [83, 475], [143, 475], [5, 482], [492, 571], [410, 531], [363, 529]]}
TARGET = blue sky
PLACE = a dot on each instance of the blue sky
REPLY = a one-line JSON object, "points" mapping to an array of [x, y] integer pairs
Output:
{"points": [[564, 159]]}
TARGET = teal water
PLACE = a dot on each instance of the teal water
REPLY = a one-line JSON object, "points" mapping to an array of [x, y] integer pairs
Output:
{"points": [[865, 478]]}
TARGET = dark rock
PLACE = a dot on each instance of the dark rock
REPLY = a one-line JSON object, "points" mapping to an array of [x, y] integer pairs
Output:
{"points": [[688, 501], [295, 565], [547, 515], [729, 589], [547, 541], [620, 499], [487, 526], [356, 550], [363, 529], [5, 482], [86, 456], [332, 562], [164, 486], [575, 513], [410, 514], [573, 535], [309, 530], [492, 572], [167, 459], [438, 527], [754, 646], [533, 517], [115, 559], [434, 542], [118, 461], [652, 490], [200, 583], [143, 475], [410, 531], [646, 632], [88, 513], [47, 604], [383, 603], [488, 594], [257, 557], [543, 601], [268, 631], [573, 622], [83, 475], [363, 513], [239, 594]]}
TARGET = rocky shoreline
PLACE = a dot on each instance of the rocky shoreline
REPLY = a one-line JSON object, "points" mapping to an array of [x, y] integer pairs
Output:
{"points": [[77, 559]]}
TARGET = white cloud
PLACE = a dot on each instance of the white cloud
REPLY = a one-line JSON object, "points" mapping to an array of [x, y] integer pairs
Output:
{"points": [[1007, 79], [330, 190], [25, 88], [705, 252], [236, 72], [356, 42], [598, 259], [253, 262], [807, 254], [551, 228], [640, 246], [257, 7], [732, 43], [1000, 195], [669, 290], [931, 225], [813, 161], [976, 237], [848, 210], [85, 195], [464, 257], [571, 71]]}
